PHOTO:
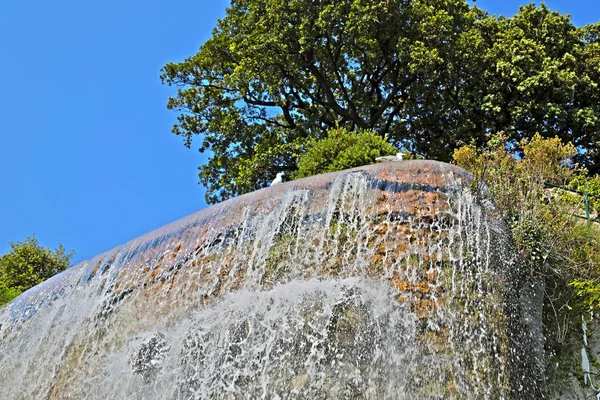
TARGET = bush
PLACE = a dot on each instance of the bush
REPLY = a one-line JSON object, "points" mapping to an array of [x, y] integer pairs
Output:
{"points": [[342, 149], [544, 221]]}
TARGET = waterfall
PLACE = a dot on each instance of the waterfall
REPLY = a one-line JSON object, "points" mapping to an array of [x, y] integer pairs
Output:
{"points": [[391, 281]]}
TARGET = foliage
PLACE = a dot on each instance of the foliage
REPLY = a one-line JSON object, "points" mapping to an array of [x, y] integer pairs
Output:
{"points": [[543, 77], [587, 278], [515, 174], [28, 263], [342, 149], [430, 74], [516, 186], [590, 185], [276, 73], [7, 294]]}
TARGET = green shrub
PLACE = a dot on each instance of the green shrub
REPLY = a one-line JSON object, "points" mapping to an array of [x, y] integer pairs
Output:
{"points": [[590, 185], [342, 149]]}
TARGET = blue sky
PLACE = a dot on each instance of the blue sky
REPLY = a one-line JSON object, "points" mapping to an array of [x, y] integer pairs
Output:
{"points": [[86, 153], [582, 11]]}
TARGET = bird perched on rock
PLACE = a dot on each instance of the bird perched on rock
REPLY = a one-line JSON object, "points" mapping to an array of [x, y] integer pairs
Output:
{"points": [[397, 157], [277, 179]]}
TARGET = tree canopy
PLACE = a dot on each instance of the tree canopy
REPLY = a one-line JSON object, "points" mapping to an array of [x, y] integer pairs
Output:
{"points": [[427, 75], [28, 264]]}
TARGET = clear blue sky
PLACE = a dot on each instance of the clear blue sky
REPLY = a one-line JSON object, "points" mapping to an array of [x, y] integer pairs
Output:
{"points": [[86, 153]]}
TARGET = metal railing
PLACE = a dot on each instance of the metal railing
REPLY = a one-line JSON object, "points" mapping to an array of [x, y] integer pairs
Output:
{"points": [[586, 196]]}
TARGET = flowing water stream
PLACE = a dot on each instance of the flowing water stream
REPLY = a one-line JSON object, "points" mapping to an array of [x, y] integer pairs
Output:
{"points": [[382, 282]]}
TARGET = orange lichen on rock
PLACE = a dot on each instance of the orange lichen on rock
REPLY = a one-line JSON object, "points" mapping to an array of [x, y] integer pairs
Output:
{"points": [[421, 286], [403, 286], [434, 340], [432, 275], [424, 307], [381, 229]]}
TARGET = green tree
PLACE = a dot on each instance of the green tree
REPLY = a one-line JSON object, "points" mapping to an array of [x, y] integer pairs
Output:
{"points": [[28, 263], [278, 73], [342, 149], [429, 75], [542, 75]]}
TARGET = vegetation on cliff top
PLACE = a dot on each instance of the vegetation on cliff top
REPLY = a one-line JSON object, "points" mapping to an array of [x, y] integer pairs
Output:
{"points": [[429, 76], [341, 149]]}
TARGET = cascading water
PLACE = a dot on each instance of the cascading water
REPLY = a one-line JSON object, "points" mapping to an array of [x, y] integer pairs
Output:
{"points": [[383, 282]]}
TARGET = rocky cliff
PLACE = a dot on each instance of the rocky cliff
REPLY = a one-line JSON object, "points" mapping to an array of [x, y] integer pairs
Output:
{"points": [[386, 281]]}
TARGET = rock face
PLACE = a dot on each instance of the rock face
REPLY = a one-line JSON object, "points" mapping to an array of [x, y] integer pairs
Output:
{"points": [[389, 281]]}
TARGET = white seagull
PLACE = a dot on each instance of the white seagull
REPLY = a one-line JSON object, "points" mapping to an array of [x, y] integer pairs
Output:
{"points": [[277, 179], [397, 157]]}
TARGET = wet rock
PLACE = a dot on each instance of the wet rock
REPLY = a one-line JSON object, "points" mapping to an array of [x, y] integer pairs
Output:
{"points": [[381, 282]]}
